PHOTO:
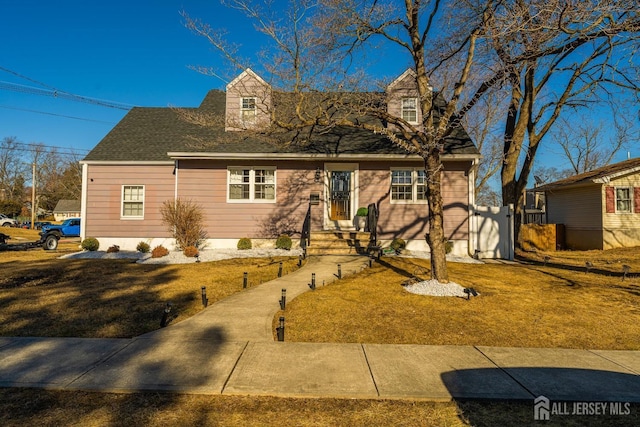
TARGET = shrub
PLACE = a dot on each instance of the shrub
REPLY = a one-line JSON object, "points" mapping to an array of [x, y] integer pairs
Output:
{"points": [[112, 249], [143, 247], [244, 243], [362, 212], [283, 242], [398, 244], [185, 220], [190, 251], [448, 246], [159, 251], [90, 244]]}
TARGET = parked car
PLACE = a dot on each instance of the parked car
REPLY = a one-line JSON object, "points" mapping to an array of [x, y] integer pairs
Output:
{"points": [[5, 221]]}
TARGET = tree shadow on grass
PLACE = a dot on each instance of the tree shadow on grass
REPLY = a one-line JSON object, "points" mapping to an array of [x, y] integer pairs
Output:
{"points": [[161, 364], [556, 390]]}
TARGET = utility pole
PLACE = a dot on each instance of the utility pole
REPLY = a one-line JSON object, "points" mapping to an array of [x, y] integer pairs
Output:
{"points": [[33, 196]]}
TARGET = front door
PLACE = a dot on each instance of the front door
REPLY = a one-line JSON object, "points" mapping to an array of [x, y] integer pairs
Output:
{"points": [[340, 195]]}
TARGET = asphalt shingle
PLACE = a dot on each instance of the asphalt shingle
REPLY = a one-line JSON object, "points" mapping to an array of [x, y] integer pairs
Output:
{"points": [[148, 134]]}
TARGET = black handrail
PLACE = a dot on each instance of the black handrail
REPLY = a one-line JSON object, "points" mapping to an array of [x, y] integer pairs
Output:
{"points": [[372, 223], [305, 234]]}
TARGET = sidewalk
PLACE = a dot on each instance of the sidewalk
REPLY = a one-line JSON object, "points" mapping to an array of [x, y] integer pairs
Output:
{"points": [[210, 354]]}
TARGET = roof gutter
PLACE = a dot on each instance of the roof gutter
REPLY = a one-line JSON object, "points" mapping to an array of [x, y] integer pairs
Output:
{"points": [[310, 157], [606, 179], [128, 162]]}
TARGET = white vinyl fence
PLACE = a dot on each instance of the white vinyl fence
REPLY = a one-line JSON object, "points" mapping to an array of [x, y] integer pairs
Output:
{"points": [[492, 233]]}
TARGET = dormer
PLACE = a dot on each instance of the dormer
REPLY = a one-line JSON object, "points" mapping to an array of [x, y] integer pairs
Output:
{"points": [[403, 99], [248, 102]]}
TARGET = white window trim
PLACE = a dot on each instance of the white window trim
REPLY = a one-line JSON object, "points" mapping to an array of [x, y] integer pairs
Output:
{"points": [[252, 183], [615, 199], [144, 196], [414, 187], [251, 119], [416, 109]]}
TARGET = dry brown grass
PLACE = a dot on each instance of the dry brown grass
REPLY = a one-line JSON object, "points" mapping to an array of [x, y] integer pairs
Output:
{"points": [[20, 407], [526, 304], [41, 295], [550, 304]]}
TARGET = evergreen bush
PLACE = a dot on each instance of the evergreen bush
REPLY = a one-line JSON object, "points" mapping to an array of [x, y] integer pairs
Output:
{"points": [[90, 244], [283, 242], [244, 243]]}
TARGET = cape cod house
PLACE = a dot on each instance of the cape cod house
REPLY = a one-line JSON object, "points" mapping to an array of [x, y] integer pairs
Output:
{"points": [[250, 187]]}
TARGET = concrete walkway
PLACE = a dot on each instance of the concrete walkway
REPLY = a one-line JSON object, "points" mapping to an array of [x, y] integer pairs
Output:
{"points": [[211, 353]]}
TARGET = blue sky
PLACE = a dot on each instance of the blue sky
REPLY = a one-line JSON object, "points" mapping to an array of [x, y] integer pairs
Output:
{"points": [[135, 52]]}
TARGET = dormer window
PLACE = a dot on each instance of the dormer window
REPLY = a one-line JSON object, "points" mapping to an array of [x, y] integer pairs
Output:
{"points": [[248, 111], [410, 110], [248, 103]]}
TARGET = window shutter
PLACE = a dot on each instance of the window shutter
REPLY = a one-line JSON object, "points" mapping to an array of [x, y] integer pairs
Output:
{"points": [[610, 197], [636, 199]]}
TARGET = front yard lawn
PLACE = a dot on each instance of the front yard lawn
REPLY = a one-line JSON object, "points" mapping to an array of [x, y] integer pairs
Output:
{"points": [[41, 295], [524, 304]]}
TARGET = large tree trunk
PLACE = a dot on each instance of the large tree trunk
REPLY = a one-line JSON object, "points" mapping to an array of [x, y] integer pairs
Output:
{"points": [[436, 237]]}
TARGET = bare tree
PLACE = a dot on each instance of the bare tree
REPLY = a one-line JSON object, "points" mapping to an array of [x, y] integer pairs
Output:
{"points": [[467, 50], [12, 170], [321, 95], [560, 55], [588, 145], [483, 123], [59, 177]]}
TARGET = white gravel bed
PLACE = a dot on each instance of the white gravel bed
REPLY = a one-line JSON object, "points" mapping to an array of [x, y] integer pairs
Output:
{"points": [[177, 257], [434, 288], [426, 255]]}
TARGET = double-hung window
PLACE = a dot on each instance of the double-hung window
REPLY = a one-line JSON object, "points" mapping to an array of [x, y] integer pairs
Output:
{"points": [[248, 110], [133, 201], [251, 184], [408, 186], [623, 199], [410, 110]]}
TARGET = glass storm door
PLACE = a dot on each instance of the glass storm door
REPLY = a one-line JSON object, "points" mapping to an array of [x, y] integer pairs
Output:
{"points": [[340, 190]]}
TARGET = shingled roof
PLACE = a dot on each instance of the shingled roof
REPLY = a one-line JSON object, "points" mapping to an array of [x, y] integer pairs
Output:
{"points": [[596, 176], [67, 206], [149, 134]]}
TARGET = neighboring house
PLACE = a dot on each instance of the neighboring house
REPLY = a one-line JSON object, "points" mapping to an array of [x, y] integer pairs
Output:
{"points": [[250, 187], [599, 209], [67, 209]]}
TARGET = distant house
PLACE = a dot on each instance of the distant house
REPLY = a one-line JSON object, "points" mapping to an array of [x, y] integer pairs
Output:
{"points": [[250, 187], [67, 209], [599, 209]]}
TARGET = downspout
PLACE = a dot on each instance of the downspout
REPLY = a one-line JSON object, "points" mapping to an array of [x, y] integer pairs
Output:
{"points": [[83, 202], [473, 219], [175, 186]]}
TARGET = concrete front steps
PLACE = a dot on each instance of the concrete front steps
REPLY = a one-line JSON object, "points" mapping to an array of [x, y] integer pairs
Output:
{"points": [[339, 242]]}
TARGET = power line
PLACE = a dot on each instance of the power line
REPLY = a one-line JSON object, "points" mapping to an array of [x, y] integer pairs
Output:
{"points": [[15, 73], [63, 95], [56, 115], [33, 147]]}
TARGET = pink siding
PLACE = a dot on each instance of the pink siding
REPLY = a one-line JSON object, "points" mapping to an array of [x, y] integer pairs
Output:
{"points": [[410, 221], [104, 199], [205, 182]]}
